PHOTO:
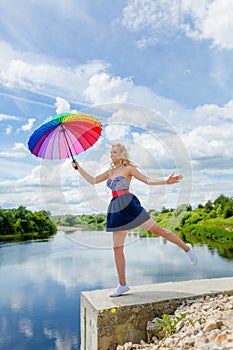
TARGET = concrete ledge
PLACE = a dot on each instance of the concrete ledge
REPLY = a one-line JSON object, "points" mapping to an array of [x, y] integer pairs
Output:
{"points": [[107, 322]]}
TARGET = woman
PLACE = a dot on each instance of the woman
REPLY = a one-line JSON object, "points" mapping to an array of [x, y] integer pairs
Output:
{"points": [[125, 211]]}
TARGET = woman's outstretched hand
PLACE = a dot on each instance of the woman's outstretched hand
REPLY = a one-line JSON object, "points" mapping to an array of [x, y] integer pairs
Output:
{"points": [[75, 164], [173, 179]]}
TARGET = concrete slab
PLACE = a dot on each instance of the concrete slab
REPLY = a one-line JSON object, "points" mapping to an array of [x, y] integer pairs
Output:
{"points": [[106, 322]]}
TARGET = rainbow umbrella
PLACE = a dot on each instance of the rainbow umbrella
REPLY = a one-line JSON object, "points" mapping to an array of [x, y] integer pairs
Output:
{"points": [[64, 136]]}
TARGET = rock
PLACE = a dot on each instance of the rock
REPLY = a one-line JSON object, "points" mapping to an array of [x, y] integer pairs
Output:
{"points": [[212, 324], [189, 342], [229, 306], [208, 325], [179, 326], [128, 346], [221, 337], [153, 329]]}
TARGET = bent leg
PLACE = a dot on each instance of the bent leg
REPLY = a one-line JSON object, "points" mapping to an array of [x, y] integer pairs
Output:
{"points": [[118, 247], [150, 225]]}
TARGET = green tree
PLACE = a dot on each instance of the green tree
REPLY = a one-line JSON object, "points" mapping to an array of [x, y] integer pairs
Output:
{"points": [[208, 207], [182, 209], [224, 206], [44, 224], [221, 200], [20, 223], [228, 210], [69, 220], [7, 222]]}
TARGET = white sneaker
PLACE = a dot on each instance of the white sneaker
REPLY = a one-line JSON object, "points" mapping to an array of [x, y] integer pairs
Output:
{"points": [[119, 290], [192, 256]]}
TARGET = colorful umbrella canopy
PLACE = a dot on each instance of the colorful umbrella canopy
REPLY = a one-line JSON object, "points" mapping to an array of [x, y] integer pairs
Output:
{"points": [[64, 136]]}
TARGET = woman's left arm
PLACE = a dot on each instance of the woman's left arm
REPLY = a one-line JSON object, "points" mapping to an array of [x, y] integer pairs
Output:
{"points": [[154, 181]]}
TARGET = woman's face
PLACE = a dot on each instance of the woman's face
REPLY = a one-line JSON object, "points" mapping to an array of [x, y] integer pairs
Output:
{"points": [[115, 154]]}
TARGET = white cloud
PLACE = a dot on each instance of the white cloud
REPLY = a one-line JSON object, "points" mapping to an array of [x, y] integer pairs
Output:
{"points": [[158, 20], [19, 146], [86, 83], [14, 168], [154, 19], [214, 23], [28, 126], [123, 115], [149, 109], [37, 74], [116, 131], [9, 129], [4, 117], [30, 179], [214, 113], [62, 106], [208, 142], [26, 187], [103, 88], [7, 54], [17, 151]]}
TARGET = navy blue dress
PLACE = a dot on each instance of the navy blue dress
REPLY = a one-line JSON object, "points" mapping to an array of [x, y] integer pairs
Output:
{"points": [[125, 211]]}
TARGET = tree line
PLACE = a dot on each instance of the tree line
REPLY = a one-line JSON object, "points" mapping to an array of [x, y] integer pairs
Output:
{"points": [[22, 224], [212, 220], [84, 221]]}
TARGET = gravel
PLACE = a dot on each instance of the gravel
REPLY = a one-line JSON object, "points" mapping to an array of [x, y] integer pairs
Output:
{"points": [[207, 325]]}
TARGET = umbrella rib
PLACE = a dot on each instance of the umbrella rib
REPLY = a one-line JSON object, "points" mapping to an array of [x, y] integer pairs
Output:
{"points": [[56, 131], [68, 145], [85, 131]]}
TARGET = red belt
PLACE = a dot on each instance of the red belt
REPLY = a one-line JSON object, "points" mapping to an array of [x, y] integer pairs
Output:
{"points": [[119, 193]]}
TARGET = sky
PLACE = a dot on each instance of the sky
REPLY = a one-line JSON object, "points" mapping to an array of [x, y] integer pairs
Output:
{"points": [[157, 74]]}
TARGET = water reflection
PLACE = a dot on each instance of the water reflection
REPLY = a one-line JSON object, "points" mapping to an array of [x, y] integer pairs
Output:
{"points": [[224, 249], [40, 282], [61, 342]]}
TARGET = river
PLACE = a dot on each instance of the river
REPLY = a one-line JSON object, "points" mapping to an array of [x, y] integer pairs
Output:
{"points": [[41, 281]]}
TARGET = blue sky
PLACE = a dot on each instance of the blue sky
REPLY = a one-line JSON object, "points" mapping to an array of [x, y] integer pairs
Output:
{"points": [[158, 74]]}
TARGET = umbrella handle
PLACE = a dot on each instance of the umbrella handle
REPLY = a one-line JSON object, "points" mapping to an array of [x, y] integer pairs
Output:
{"points": [[64, 132], [73, 161]]}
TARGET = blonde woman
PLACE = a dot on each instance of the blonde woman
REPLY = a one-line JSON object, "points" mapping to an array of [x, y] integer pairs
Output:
{"points": [[125, 211]]}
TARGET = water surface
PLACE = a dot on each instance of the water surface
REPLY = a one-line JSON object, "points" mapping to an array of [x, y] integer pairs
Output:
{"points": [[41, 282]]}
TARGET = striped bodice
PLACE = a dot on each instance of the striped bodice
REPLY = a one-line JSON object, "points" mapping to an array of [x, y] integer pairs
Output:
{"points": [[118, 183]]}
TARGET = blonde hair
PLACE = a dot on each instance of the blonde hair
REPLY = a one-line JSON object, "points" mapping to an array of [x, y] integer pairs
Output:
{"points": [[124, 160]]}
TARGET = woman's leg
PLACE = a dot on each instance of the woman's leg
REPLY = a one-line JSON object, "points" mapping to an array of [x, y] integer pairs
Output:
{"points": [[150, 225], [118, 247], [154, 228]]}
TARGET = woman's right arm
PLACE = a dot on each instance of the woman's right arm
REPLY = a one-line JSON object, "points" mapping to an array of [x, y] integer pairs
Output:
{"points": [[91, 179]]}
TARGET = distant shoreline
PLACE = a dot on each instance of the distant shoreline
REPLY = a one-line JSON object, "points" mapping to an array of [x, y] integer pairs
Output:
{"points": [[68, 228]]}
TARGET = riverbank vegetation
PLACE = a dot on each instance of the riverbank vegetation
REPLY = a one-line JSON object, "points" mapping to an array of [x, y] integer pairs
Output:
{"points": [[213, 220], [84, 221], [21, 224], [210, 222]]}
